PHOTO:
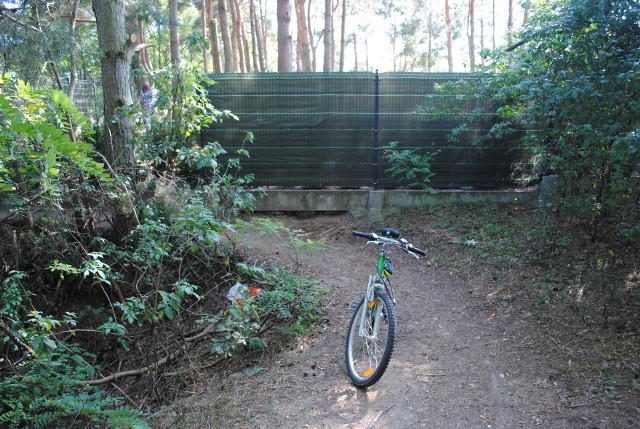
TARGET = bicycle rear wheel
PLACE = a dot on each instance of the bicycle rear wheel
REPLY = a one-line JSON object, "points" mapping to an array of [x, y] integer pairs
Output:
{"points": [[368, 355]]}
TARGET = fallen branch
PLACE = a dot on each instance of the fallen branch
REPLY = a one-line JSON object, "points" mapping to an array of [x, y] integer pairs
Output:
{"points": [[132, 372], [16, 340], [117, 375], [200, 368]]}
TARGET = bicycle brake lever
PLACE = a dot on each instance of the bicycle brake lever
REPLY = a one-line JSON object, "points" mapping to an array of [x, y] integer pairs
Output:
{"points": [[406, 250]]}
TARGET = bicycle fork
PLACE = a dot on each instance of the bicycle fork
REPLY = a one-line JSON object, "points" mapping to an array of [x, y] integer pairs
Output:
{"points": [[370, 303]]}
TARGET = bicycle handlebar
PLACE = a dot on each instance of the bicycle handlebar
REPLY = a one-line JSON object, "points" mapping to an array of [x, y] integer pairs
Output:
{"points": [[367, 235], [407, 247], [412, 249]]}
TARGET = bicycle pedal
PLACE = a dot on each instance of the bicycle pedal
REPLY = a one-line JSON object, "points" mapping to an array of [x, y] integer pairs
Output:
{"points": [[354, 305]]}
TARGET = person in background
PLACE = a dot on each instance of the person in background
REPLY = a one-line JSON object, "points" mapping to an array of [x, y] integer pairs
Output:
{"points": [[148, 95]]}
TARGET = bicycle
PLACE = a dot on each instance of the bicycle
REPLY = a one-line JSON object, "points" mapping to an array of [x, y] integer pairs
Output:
{"points": [[372, 330]]}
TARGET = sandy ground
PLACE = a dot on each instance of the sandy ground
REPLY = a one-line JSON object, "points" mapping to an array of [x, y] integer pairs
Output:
{"points": [[468, 354]]}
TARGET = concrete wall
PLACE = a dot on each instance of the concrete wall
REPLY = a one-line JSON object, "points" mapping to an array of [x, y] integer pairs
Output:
{"points": [[375, 205]]}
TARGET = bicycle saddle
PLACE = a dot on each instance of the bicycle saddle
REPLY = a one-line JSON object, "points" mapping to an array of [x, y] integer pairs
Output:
{"points": [[390, 232]]}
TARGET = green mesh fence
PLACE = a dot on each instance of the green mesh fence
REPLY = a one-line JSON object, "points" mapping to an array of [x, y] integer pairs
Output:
{"points": [[327, 130], [88, 97]]}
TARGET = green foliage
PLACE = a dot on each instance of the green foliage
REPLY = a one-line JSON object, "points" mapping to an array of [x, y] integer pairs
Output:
{"points": [[412, 165], [37, 154], [26, 48], [290, 302], [13, 294], [45, 393], [42, 388], [573, 88], [183, 110]]}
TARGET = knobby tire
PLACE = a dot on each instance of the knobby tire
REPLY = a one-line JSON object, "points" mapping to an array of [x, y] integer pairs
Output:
{"points": [[368, 358]]}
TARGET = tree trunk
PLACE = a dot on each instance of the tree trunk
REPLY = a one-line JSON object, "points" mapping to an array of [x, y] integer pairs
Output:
{"points": [[447, 20], [471, 35], [285, 43], [366, 54], [333, 36], [481, 41], [213, 39], [355, 52], [174, 38], [144, 52], [114, 62], [255, 42], [493, 22], [236, 46], [203, 15], [342, 34], [242, 38], [430, 40], [328, 35], [73, 54], [510, 24], [312, 45], [262, 28], [226, 37], [303, 47]]}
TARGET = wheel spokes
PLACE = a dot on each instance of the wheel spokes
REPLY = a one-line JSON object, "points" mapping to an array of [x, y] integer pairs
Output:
{"points": [[371, 352]]}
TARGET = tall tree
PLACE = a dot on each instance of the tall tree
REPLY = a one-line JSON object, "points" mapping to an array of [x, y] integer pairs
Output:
{"points": [[285, 42], [255, 49], [73, 55], [262, 30], [303, 48], [205, 35], [213, 39], [114, 61], [434, 28], [355, 52], [242, 38], [447, 20], [493, 23], [313, 45], [328, 36], [510, 24], [470, 34], [257, 39], [236, 45], [144, 52], [226, 37], [174, 38], [482, 41], [342, 33]]}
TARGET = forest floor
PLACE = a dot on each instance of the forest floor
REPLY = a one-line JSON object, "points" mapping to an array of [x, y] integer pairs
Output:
{"points": [[487, 336]]}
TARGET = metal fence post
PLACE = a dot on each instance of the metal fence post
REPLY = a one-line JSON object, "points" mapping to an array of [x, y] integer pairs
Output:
{"points": [[376, 123]]}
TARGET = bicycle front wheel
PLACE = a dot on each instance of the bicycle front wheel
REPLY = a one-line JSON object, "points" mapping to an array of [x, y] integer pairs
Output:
{"points": [[371, 339]]}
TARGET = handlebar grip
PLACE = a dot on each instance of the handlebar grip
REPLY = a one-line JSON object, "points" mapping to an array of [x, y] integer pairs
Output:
{"points": [[417, 251], [367, 235]]}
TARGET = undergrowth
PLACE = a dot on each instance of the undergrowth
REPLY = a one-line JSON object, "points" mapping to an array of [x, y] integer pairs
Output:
{"points": [[585, 293], [108, 277]]}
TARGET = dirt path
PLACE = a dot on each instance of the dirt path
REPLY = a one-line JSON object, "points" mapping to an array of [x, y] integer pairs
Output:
{"points": [[465, 356]]}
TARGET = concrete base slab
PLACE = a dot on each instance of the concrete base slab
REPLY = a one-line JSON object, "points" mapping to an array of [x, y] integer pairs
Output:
{"points": [[375, 205]]}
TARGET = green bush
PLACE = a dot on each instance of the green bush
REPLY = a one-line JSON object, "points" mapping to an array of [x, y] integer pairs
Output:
{"points": [[413, 166], [139, 258], [572, 88]]}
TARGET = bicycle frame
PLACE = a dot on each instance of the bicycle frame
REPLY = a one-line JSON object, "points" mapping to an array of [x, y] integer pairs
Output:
{"points": [[376, 281]]}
